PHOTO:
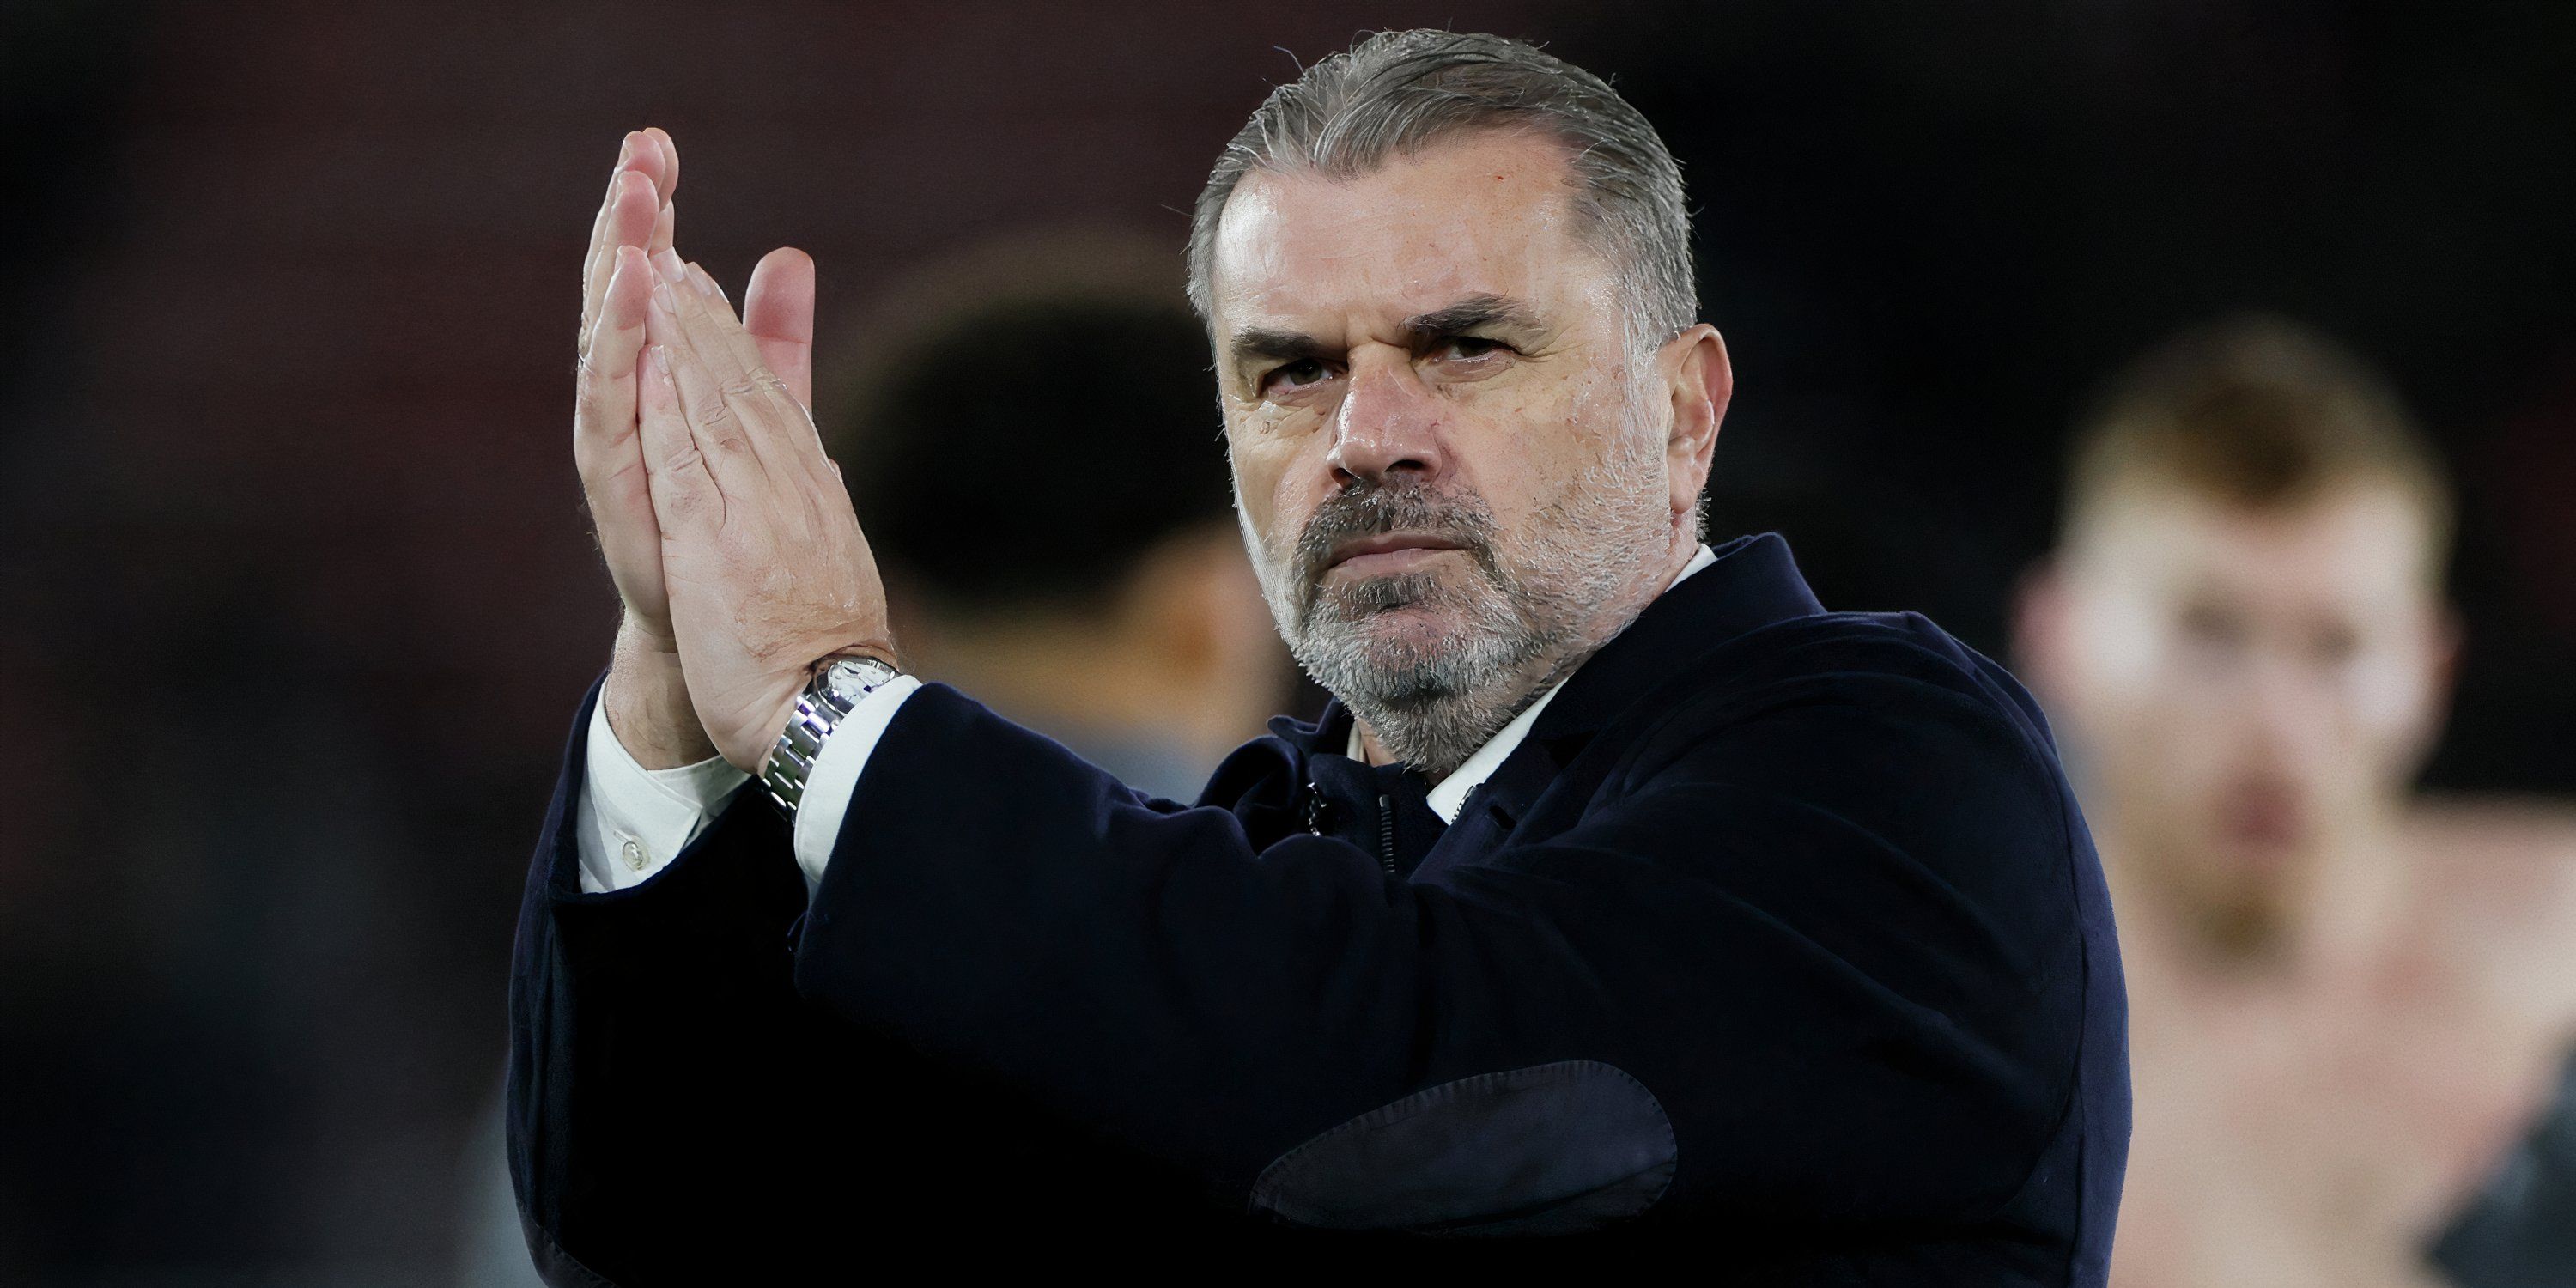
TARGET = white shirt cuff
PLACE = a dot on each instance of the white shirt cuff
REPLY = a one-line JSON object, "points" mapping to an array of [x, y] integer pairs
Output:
{"points": [[836, 775], [631, 821]]}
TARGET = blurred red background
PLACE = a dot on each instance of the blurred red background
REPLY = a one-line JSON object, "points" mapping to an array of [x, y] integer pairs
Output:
{"points": [[296, 597]]}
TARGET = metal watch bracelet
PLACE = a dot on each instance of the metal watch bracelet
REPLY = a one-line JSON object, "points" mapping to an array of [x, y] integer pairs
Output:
{"points": [[827, 700]]}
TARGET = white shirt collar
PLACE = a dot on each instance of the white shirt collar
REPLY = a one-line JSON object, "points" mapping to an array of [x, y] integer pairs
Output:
{"points": [[1451, 793]]}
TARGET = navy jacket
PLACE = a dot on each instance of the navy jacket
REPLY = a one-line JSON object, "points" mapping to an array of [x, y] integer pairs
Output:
{"points": [[1779, 942]]}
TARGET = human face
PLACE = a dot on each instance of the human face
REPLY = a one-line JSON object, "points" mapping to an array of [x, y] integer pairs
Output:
{"points": [[1454, 469], [2248, 690]]}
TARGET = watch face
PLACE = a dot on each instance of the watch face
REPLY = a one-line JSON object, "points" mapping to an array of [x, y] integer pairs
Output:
{"points": [[851, 678]]}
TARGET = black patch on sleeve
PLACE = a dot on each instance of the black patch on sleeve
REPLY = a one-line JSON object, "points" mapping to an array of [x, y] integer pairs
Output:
{"points": [[1552, 1149]]}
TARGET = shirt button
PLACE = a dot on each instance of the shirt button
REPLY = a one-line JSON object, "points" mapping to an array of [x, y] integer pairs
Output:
{"points": [[633, 854]]}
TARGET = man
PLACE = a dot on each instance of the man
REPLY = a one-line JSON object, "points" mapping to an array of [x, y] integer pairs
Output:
{"points": [[1622, 892], [2348, 1003]]}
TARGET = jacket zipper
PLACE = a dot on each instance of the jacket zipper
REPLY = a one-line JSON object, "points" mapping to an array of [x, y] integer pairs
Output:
{"points": [[1386, 834]]}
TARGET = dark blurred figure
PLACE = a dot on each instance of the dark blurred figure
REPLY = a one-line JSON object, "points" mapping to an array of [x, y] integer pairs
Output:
{"points": [[1072, 560], [2347, 1001]]}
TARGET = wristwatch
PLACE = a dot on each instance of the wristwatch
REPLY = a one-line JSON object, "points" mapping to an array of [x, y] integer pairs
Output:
{"points": [[827, 699]]}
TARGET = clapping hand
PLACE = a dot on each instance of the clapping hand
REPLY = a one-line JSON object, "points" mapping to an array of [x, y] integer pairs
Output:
{"points": [[723, 524], [767, 569]]}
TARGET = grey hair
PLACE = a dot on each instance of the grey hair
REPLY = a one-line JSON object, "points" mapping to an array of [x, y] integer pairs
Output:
{"points": [[1395, 92]]}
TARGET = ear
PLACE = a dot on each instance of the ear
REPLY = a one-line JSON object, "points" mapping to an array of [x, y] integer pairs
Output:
{"points": [[2443, 634], [1700, 381], [1189, 614], [1190, 601], [2039, 628], [1159, 611]]}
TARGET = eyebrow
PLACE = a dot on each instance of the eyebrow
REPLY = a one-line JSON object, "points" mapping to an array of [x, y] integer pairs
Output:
{"points": [[1286, 346], [1498, 311], [1470, 313]]}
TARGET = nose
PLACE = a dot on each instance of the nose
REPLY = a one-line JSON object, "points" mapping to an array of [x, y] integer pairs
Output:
{"points": [[1388, 423], [2292, 709]]}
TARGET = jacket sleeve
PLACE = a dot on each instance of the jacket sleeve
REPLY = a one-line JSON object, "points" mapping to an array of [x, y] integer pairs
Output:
{"points": [[655, 1133], [1813, 955]]}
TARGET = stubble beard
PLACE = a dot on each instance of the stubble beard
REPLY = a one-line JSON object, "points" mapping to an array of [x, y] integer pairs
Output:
{"points": [[1438, 665]]}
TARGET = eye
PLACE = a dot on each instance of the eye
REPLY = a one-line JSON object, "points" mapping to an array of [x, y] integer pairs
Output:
{"points": [[2215, 627], [1468, 347], [1302, 372]]}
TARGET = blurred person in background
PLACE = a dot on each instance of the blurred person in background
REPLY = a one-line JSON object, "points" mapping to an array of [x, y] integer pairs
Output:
{"points": [[1104, 605], [2347, 1001]]}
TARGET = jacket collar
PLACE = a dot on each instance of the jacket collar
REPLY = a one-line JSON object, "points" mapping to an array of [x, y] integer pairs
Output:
{"points": [[1753, 584]]}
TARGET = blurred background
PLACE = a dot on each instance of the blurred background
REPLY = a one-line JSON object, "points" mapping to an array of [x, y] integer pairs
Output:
{"points": [[297, 599]]}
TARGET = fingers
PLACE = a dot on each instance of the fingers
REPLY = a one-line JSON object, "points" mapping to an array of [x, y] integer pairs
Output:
{"points": [[707, 323], [604, 412], [665, 225], [720, 429], [686, 501], [606, 447], [625, 220], [616, 283], [627, 159], [626, 217], [648, 218], [599, 220], [627, 487], [715, 333], [778, 311], [653, 142], [780, 430], [730, 351], [667, 182], [659, 161]]}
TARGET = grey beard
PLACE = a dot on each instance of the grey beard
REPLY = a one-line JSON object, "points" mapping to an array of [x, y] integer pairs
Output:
{"points": [[1432, 703], [1431, 707]]}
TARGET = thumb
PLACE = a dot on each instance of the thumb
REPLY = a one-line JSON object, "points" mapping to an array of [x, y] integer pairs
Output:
{"points": [[778, 311]]}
